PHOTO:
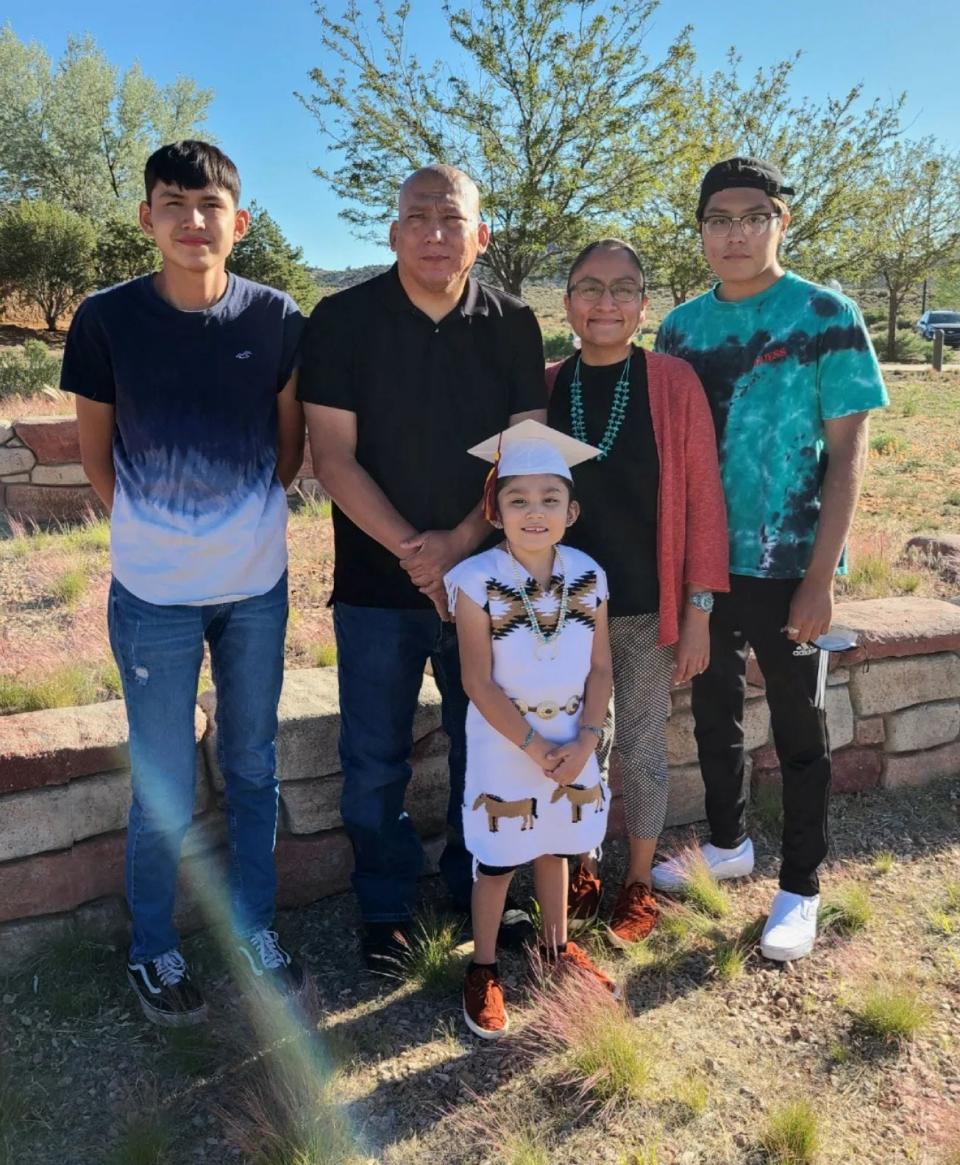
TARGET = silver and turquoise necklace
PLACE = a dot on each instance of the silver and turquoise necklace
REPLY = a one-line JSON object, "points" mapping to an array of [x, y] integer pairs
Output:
{"points": [[545, 640], [618, 409]]}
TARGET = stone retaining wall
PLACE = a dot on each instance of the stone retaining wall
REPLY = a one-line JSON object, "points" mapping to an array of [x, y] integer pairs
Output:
{"points": [[893, 709], [42, 480]]}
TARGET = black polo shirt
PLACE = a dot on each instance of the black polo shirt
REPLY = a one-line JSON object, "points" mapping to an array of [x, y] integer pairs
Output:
{"points": [[423, 393]]}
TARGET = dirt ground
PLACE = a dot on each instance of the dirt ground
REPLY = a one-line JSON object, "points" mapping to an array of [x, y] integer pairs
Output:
{"points": [[84, 1074]]}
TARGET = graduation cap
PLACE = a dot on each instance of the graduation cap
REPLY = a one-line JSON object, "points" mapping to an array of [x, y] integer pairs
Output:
{"points": [[525, 449]]}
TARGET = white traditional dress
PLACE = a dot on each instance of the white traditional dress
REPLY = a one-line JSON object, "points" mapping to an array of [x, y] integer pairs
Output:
{"points": [[512, 811]]}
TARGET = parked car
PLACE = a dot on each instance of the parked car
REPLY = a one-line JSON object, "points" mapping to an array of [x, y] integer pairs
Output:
{"points": [[947, 322]]}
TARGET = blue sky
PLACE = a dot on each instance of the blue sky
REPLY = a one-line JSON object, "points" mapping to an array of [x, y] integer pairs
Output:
{"points": [[255, 54]]}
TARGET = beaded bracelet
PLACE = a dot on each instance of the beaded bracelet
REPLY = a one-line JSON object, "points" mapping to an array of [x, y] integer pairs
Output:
{"points": [[531, 733]]}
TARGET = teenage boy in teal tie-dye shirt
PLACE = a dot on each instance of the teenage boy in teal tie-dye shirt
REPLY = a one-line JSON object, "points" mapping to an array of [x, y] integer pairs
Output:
{"points": [[791, 376]]}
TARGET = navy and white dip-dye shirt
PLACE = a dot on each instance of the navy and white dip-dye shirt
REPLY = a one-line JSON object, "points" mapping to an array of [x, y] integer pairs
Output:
{"points": [[199, 515]]}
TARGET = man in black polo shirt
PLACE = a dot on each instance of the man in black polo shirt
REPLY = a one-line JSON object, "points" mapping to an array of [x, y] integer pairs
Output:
{"points": [[400, 376]]}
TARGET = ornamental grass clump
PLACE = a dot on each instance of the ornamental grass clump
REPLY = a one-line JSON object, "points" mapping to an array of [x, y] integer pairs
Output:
{"points": [[429, 959], [286, 1112], [703, 892], [729, 961], [791, 1135], [591, 1037], [892, 1012], [146, 1139], [848, 911]]}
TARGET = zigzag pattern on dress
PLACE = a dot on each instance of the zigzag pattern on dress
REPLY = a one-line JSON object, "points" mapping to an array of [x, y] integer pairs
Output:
{"points": [[507, 613]]}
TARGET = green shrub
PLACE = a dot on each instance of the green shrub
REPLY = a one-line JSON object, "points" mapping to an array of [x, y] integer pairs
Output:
{"points": [[887, 444], [28, 369], [558, 345]]}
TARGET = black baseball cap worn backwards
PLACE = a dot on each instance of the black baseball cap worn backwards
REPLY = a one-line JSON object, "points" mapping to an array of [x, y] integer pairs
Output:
{"points": [[753, 172]]}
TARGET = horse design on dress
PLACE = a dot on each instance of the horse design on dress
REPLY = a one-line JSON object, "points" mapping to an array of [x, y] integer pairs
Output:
{"points": [[578, 796], [496, 808]]}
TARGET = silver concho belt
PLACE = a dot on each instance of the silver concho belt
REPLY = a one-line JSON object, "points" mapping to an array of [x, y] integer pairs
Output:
{"points": [[547, 709]]}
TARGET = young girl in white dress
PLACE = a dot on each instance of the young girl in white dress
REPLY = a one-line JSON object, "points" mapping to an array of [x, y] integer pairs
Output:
{"points": [[535, 661]]}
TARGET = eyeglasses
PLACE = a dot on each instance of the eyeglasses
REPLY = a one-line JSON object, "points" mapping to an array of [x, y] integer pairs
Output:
{"points": [[718, 226], [591, 290]]}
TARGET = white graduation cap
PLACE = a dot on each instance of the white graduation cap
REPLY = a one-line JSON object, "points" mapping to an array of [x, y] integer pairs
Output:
{"points": [[533, 448], [525, 449]]}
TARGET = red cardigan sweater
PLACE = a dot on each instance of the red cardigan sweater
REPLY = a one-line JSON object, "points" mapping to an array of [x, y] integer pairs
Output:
{"points": [[692, 544]]}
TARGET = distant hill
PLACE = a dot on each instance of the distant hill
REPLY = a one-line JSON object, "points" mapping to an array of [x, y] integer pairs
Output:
{"points": [[346, 278], [351, 275]]}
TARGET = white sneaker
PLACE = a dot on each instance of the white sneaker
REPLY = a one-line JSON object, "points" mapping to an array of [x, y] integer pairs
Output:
{"points": [[791, 928], [672, 875]]}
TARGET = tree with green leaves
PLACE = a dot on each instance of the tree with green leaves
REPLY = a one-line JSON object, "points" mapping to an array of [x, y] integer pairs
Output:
{"points": [[550, 112], [911, 222], [829, 152], [265, 255], [47, 256], [78, 132], [123, 252]]}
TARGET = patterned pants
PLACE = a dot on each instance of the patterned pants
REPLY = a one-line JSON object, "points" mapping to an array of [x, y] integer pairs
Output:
{"points": [[641, 698]]}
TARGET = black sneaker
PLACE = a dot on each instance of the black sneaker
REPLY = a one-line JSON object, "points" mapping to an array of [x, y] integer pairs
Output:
{"points": [[516, 927], [384, 945], [268, 962], [166, 992]]}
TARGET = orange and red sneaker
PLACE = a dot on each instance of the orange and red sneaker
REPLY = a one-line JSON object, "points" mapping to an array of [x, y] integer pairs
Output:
{"points": [[583, 898], [575, 960], [483, 1009], [635, 914]]}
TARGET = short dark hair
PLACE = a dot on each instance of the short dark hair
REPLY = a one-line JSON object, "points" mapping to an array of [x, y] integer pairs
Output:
{"points": [[607, 245], [191, 165]]}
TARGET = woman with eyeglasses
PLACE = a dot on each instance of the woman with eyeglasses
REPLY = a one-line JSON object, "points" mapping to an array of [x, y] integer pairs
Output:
{"points": [[653, 514]]}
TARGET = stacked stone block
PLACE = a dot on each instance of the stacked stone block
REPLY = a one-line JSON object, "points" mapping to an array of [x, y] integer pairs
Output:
{"points": [[893, 707], [42, 480]]}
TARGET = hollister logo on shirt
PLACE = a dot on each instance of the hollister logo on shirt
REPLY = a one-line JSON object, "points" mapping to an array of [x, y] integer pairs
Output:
{"points": [[244, 355], [771, 357]]}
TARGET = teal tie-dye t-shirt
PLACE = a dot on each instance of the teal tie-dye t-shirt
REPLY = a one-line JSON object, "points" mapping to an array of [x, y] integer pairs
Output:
{"points": [[775, 367]]}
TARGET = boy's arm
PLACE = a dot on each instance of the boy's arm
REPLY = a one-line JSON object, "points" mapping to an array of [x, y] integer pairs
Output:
{"points": [[95, 425], [290, 433], [812, 607], [476, 673]]}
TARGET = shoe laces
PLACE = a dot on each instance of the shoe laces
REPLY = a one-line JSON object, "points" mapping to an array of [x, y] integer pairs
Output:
{"points": [[267, 945], [171, 967]]}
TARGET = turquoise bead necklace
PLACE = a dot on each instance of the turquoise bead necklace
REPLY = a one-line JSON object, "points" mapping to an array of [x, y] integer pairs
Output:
{"points": [[618, 409]]}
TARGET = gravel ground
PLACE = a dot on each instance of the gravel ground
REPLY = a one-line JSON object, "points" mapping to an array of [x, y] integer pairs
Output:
{"points": [[79, 1064]]}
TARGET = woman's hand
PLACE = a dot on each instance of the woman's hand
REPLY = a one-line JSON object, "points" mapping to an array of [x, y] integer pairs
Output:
{"points": [[692, 653]]}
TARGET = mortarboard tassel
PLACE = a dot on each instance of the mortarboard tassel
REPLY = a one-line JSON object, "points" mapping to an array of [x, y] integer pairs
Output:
{"points": [[490, 487]]}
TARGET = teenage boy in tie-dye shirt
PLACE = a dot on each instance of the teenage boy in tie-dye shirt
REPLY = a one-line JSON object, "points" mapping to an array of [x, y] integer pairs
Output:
{"points": [[190, 432], [791, 376]]}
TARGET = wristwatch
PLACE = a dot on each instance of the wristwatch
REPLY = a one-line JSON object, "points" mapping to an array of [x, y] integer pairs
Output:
{"points": [[702, 600]]}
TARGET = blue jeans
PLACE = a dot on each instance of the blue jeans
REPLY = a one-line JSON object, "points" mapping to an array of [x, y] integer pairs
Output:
{"points": [[381, 655], [159, 651]]}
